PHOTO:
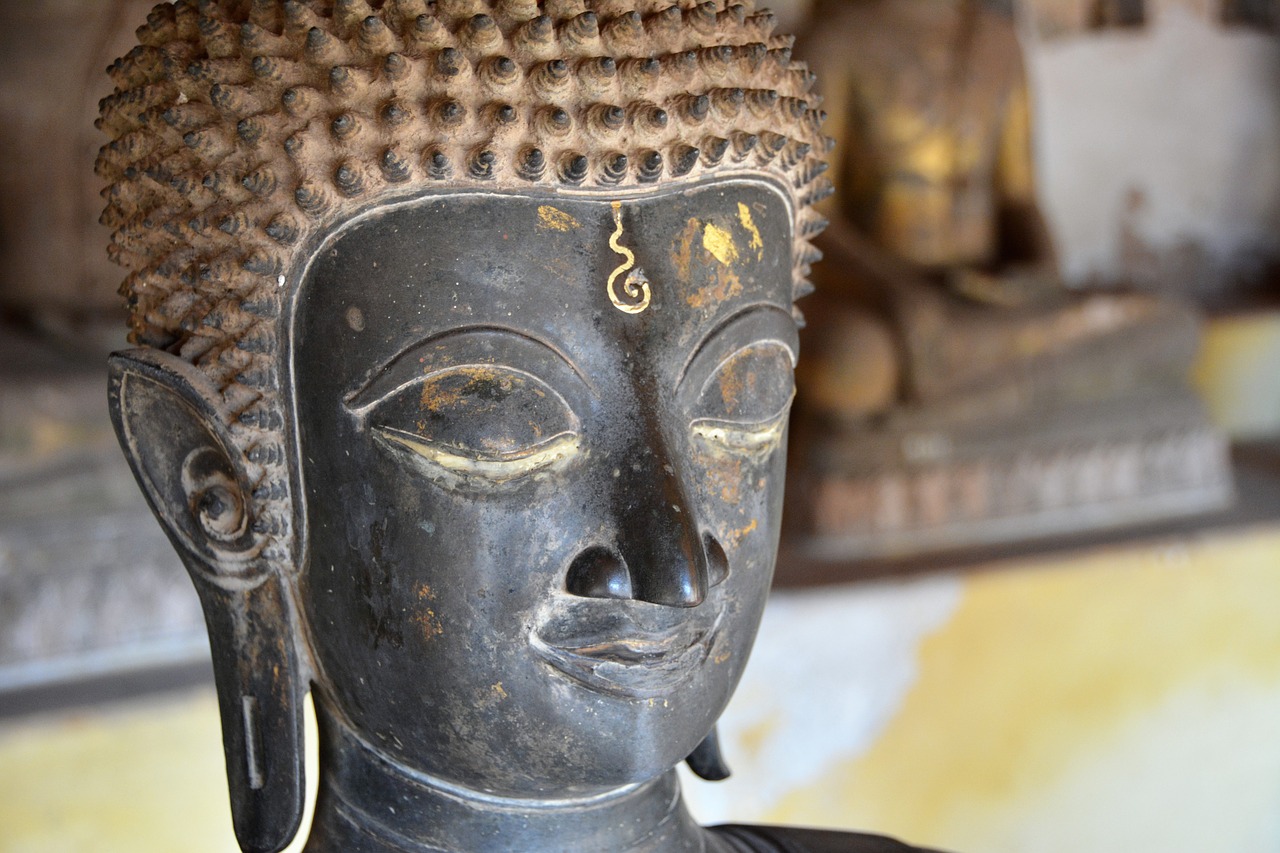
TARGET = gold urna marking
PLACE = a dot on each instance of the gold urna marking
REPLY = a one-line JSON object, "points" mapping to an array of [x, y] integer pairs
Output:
{"points": [[635, 287]]}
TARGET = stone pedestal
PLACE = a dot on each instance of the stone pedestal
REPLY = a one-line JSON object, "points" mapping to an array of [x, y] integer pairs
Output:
{"points": [[918, 484]]}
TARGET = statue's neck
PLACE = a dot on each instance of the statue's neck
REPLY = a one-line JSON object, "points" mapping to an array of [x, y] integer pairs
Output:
{"points": [[370, 804]]}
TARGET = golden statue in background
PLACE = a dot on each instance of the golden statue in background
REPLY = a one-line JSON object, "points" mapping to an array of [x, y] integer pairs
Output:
{"points": [[953, 389]]}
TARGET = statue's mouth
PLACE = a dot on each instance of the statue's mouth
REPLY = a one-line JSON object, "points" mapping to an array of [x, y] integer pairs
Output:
{"points": [[626, 653]]}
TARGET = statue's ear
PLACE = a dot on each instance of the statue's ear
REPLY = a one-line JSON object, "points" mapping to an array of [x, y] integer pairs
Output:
{"points": [[173, 429], [707, 761]]}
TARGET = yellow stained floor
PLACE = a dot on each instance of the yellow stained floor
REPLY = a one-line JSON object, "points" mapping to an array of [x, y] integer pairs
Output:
{"points": [[142, 778], [1235, 373], [1122, 701]]}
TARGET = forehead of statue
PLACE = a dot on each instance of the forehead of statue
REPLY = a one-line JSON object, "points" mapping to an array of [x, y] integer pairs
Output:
{"points": [[591, 278]]}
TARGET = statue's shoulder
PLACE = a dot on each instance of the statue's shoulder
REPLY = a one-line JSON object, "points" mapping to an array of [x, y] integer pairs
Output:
{"points": [[780, 839]]}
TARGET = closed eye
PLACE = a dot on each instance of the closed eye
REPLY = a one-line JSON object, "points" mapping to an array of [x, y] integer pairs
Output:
{"points": [[755, 440], [744, 404], [478, 425], [456, 466]]}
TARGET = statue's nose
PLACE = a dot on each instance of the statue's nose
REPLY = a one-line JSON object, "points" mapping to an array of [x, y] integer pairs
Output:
{"points": [[659, 556], [665, 559], [658, 527], [601, 572]]}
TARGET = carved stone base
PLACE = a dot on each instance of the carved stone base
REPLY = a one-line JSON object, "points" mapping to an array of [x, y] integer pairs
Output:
{"points": [[914, 485]]}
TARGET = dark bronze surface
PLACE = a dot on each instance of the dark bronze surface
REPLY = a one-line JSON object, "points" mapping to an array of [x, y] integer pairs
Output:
{"points": [[540, 529], [467, 350], [516, 492]]}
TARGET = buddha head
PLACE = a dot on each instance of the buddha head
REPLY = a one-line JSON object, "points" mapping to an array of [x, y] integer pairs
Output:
{"points": [[464, 346]]}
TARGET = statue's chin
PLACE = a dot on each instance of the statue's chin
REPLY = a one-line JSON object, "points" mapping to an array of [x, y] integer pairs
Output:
{"points": [[606, 772], [602, 742], [615, 765]]}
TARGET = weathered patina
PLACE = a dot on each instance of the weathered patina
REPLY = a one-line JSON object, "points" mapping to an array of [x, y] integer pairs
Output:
{"points": [[466, 344]]}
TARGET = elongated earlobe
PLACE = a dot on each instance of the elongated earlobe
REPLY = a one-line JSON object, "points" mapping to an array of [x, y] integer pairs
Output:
{"points": [[706, 760], [171, 428]]}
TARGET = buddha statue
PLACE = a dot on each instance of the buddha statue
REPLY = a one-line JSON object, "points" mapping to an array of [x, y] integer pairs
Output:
{"points": [[953, 389], [464, 356]]}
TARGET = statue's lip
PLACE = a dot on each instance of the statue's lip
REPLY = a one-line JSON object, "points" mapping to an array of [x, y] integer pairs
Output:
{"points": [[621, 654]]}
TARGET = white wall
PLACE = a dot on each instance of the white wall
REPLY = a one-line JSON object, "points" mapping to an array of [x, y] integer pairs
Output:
{"points": [[1159, 149]]}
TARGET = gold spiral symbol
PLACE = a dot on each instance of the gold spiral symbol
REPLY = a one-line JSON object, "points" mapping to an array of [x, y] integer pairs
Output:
{"points": [[635, 287]]}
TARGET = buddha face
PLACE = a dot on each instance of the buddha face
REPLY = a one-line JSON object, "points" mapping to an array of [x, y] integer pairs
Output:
{"points": [[541, 443]]}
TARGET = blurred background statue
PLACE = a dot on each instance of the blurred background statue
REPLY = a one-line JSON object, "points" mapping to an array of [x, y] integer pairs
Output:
{"points": [[953, 389]]}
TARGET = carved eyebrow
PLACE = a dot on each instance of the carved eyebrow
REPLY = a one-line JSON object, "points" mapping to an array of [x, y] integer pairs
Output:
{"points": [[452, 348], [763, 321]]}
